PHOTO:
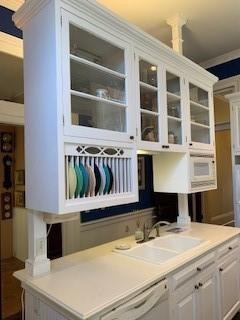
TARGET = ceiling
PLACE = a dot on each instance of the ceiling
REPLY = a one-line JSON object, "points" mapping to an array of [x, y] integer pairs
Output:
{"points": [[212, 28], [11, 80]]}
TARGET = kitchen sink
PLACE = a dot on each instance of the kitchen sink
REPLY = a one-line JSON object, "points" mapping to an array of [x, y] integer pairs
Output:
{"points": [[150, 254], [162, 249], [176, 243]]}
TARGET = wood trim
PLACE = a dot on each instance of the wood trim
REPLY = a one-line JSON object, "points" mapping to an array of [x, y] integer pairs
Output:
{"points": [[11, 45], [11, 113], [13, 5], [227, 217]]}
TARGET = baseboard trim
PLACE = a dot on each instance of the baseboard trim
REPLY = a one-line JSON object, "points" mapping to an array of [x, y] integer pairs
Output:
{"points": [[223, 219]]}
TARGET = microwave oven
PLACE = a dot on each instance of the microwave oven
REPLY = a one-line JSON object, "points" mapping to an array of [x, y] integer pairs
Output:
{"points": [[203, 170]]}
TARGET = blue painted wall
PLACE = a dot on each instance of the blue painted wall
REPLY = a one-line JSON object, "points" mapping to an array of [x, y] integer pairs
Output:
{"points": [[227, 69], [146, 199], [6, 23]]}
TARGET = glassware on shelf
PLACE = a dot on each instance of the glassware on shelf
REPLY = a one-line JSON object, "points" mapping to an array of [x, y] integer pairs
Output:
{"points": [[149, 127], [198, 95], [148, 73], [173, 83]]}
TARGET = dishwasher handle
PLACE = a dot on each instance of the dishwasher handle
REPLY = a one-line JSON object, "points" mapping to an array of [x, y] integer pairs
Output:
{"points": [[140, 305]]}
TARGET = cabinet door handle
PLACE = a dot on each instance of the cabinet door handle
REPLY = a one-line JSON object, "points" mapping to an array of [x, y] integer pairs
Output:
{"points": [[200, 284], [199, 269], [190, 144], [220, 269], [196, 287], [131, 137], [229, 248]]}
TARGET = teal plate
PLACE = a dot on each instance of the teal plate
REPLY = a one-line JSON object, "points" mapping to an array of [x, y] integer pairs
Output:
{"points": [[79, 180], [106, 188], [103, 179], [85, 180]]}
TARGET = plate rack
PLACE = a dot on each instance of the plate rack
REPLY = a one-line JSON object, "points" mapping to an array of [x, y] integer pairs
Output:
{"points": [[118, 161]]}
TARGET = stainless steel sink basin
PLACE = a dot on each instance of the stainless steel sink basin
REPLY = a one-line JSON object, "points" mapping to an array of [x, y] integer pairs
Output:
{"points": [[162, 249], [176, 243], [150, 254]]}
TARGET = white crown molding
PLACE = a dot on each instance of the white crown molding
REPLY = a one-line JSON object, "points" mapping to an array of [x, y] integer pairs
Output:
{"points": [[11, 45], [13, 5], [96, 11], [221, 59]]}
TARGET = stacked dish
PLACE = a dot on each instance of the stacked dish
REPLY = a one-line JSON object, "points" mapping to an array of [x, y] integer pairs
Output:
{"points": [[85, 180]]}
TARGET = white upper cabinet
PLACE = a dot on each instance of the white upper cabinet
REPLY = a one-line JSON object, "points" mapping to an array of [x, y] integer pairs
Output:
{"points": [[96, 90], [98, 100], [201, 117]]}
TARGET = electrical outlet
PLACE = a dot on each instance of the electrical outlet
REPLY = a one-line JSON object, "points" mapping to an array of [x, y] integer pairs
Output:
{"points": [[41, 245]]}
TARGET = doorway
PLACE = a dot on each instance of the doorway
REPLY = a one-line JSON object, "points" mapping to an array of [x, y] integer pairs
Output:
{"points": [[218, 204]]}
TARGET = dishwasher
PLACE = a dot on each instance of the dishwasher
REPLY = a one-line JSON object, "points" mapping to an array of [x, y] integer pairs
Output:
{"points": [[150, 304]]}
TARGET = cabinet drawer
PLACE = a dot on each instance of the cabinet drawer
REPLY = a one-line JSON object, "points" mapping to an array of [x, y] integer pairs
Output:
{"points": [[228, 248], [192, 270]]}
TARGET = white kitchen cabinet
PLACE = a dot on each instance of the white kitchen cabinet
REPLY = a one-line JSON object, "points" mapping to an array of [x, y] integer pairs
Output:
{"points": [[229, 286], [201, 132], [96, 90]]}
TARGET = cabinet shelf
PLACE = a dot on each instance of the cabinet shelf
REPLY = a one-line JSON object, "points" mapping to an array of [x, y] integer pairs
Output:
{"points": [[172, 97], [196, 104], [199, 125], [143, 84], [149, 112], [97, 66], [174, 118], [95, 98]]}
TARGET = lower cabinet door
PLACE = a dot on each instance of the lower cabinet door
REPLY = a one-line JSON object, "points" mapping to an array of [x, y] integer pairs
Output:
{"points": [[207, 307], [229, 288], [184, 302]]}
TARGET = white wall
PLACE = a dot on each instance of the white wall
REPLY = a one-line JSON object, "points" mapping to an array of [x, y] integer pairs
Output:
{"points": [[20, 234], [77, 236]]}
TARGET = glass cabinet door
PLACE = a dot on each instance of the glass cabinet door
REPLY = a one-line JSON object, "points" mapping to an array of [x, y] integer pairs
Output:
{"points": [[97, 94], [174, 109], [199, 113], [149, 110]]}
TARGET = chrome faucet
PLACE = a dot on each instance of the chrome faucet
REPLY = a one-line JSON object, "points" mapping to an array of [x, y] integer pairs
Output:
{"points": [[147, 231]]}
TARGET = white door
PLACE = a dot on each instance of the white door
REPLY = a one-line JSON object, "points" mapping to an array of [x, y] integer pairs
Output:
{"points": [[202, 131], [229, 286], [98, 79], [207, 302], [184, 302]]}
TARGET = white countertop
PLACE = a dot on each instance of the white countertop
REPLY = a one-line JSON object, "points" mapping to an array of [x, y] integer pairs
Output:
{"points": [[89, 281]]}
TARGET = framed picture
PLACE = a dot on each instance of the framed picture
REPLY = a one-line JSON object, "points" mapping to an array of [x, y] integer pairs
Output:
{"points": [[20, 177], [141, 173], [20, 199]]}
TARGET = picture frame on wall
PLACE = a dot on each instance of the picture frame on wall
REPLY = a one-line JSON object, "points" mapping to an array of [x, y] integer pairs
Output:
{"points": [[20, 177], [141, 172], [20, 199]]}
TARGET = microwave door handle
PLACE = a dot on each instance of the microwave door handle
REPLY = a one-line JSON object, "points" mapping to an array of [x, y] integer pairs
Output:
{"points": [[139, 305]]}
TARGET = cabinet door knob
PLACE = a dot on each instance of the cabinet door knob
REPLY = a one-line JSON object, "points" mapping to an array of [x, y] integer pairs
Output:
{"points": [[131, 137], [196, 287], [229, 248], [200, 284], [199, 269], [220, 269], [190, 144]]}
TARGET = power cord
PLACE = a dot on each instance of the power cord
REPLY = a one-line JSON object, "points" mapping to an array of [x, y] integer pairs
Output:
{"points": [[22, 303]]}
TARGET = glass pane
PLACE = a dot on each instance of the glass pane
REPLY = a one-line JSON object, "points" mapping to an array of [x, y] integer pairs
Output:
{"points": [[174, 131], [149, 127], [198, 95], [200, 134], [97, 114], [85, 45], [87, 79], [199, 115], [201, 169], [148, 73], [148, 99], [173, 106], [173, 83]]}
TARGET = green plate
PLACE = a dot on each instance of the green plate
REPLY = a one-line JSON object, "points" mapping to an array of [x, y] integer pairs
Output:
{"points": [[79, 180], [106, 188]]}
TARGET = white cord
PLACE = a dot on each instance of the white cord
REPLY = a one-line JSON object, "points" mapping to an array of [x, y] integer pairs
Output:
{"points": [[22, 302], [49, 229]]}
